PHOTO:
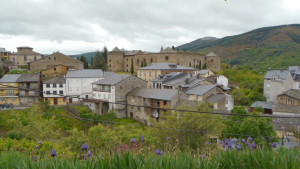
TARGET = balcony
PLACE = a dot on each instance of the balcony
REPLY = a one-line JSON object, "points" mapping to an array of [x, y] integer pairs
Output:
{"points": [[9, 95], [101, 90]]}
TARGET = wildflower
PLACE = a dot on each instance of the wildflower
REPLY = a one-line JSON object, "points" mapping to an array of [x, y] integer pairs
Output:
{"points": [[40, 142], [53, 153], [227, 141], [84, 147], [36, 146], [243, 140], [253, 145], [250, 138], [274, 145], [157, 152], [239, 147], [220, 141], [229, 145], [203, 157], [161, 152], [89, 153], [142, 138], [132, 140], [223, 145], [168, 138], [233, 140], [207, 143], [34, 157]]}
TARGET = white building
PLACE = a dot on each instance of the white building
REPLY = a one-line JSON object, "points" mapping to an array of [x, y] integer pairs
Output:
{"points": [[79, 83], [229, 102], [54, 90], [295, 72], [222, 80]]}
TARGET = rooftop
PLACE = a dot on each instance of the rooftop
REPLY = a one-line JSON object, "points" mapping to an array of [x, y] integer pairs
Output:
{"points": [[200, 89], [264, 105], [85, 73], [59, 80], [202, 72], [112, 79], [211, 54], [10, 78], [295, 93], [32, 77], [159, 94], [2, 50], [165, 66], [215, 98], [281, 74]]}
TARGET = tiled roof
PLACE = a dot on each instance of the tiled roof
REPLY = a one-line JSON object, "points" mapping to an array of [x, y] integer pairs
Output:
{"points": [[202, 72], [295, 93], [112, 79], [159, 94], [59, 80], [264, 105], [32, 77], [10, 78], [200, 90], [282, 74], [165, 66], [85, 73], [215, 98], [2, 50]]}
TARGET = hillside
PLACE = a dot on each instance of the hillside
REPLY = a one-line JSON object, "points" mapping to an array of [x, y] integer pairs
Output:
{"points": [[276, 47], [88, 56]]}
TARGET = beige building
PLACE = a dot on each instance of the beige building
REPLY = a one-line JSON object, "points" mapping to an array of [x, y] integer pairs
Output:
{"points": [[24, 55], [4, 53], [54, 60], [29, 88], [121, 60]]}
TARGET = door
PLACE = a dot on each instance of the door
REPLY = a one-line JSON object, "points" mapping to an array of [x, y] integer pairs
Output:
{"points": [[55, 101], [70, 100]]}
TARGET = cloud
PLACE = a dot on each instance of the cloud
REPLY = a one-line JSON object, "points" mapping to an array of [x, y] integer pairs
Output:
{"points": [[77, 26]]}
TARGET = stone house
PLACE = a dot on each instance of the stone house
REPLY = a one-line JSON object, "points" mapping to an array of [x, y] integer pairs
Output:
{"points": [[79, 84], [24, 55], [29, 88], [9, 92], [295, 72], [53, 60], [52, 72], [290, 97], [54, 91], [121, 60], [146, 104], [113, 88], [204, 73], [276, 82], [4, 53]]}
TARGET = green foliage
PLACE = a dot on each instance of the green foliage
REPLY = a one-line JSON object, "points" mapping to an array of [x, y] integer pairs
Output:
{"points": [[2, 72], [18, 72], [131, 68], [259, 128], [84, 61], [105, 51], [99, 62]]}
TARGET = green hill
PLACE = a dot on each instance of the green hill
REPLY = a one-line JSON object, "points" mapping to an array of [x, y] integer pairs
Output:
{"points": [[88, 56], [276, 47]]}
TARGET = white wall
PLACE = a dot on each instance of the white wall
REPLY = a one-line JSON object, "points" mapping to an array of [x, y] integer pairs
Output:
{"points": [[109, 96], [51, 89], [229, 102], [222, 80], [80, 86]]}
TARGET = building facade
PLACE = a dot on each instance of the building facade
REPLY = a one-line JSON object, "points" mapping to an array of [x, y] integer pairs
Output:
{"points": [[52, 72], [9, 92], [54, 91], [121, 60], [29, 88], [4, 53], [54, 60], [24, 55]]}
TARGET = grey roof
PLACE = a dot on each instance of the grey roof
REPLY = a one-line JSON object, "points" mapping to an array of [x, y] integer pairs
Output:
{"points": [[32, 77], [112, 79], [200, 89], [164, 77], [294, 68], [282, 74], [295, 72], [203, 72], [264, 105], [165, 66], [215, 98], [282, 108], [85, 73], [295, 93], [193, 83], [10, 78], [106, 74], [2, 50], [159, 94], [59, 80], [211, 54]]}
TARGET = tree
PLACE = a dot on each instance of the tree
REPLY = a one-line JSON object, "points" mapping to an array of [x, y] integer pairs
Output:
{"points": [[204, 66], [173, 47], [99, 62], [200, 66], [244, 126], [92, 61], [85, 63], [105, 54], [131, 68]]}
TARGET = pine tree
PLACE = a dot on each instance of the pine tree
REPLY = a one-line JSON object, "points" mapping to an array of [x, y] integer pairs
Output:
{"points": [[204, 66], [92, 61], [105, 53], [85, 63], [200, 66], [132, 69]]}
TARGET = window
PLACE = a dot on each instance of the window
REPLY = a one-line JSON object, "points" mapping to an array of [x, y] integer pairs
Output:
{"points": [[166, 57], [54, 69], [54, 58], [109, 65], [61, 92], [25, 58], [2, 99], [212, 60], [13, 99], [109, 60], [9, 92], [165, 102], [149, 74], [54, 84], [48, 92], [151, 60], [139, 108], [47, 85], [120, 87], [140, 74], [54, 92], [49, 58], [34, 58], [137, 62], [60, 85]]}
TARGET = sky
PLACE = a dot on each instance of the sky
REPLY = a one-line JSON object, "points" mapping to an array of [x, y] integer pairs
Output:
{"points": [[79, 26]]}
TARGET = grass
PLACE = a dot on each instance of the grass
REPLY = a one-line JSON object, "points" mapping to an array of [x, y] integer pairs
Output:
{"points": [[281, 158]]}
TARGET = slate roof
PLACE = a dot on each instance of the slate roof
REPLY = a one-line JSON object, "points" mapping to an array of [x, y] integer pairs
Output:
{"points": [[164, 77], [32, 77], [159, 94], [112, 79], [165, 66], [215, 98], [202, 72], [2, 50], [295, 72], [211, 54], [295, 93], [85, 73], [59, 80], [10, 78], [193, 82], [264, 105], [199, 90], [282, 74]]}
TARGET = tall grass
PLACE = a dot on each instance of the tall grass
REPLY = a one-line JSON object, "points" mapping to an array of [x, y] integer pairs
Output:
{"points": [[266, 159]]}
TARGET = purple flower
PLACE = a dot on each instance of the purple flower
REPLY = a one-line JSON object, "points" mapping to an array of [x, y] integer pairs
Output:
{"points": [[243, 140], [229, 145], [233, 140], [132, 140], [142, 138], [207, 143], [157, 152], [227, 141], [274, 145], [253, 145], [53, 153], [203, 157], [89, 153], [36, 146], [250, 138], [168, 138], [40, 142], [220, 141], [223, 145], [239, 147], [84, 147], [161, 152], [34, 157]]}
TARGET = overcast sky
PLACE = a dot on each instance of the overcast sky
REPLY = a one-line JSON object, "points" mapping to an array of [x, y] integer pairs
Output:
{"points": [[78, 26]]}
